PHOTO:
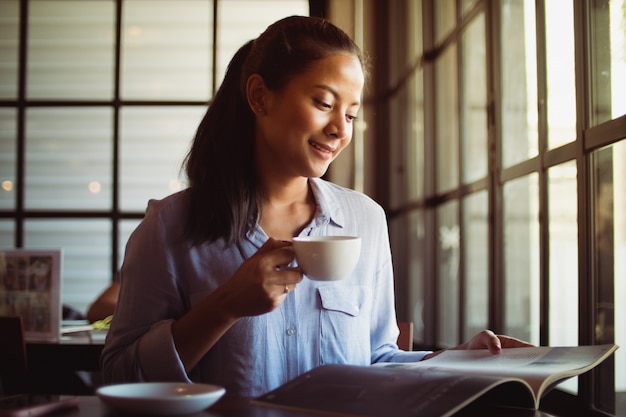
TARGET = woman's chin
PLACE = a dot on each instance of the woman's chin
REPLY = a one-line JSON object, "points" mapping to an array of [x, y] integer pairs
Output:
{"points": [[317, 173]]}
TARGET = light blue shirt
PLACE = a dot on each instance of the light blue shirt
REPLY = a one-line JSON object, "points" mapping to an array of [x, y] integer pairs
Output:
{"points": [[351, 321]]}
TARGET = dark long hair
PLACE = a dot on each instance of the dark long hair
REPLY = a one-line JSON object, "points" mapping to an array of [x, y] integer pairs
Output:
{"points": [[220, 164]]}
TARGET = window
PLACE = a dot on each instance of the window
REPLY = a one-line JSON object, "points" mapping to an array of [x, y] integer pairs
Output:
{"points": [[506, 206], [99, 101]]}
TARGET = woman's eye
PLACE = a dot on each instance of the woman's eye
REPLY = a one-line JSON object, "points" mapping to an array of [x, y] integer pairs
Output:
{"points": [[323, 104], [351, 118]]}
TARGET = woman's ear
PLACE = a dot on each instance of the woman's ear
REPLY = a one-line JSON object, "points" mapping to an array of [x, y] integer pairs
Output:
{"points": [[256, 93]]}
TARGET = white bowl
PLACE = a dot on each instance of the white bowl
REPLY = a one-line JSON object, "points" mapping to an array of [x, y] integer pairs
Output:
{"points": [[160, 398], [327, 258]]}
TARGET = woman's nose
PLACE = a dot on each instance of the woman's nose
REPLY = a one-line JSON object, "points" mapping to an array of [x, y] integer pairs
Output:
{"points": [[337, 127]]}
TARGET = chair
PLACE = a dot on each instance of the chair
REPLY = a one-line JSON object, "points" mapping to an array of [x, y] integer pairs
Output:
{"points": [[405, 338], [13, 364]]}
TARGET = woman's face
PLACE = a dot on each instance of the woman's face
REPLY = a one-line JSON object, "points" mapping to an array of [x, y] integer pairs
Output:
{"points": [[304, 126]]}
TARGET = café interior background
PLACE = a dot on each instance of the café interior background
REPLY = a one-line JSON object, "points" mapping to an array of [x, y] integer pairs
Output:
{"points": [[492, 132]]}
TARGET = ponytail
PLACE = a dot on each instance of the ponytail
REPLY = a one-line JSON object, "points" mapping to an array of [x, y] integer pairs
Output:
{"points": [[220, 163]]}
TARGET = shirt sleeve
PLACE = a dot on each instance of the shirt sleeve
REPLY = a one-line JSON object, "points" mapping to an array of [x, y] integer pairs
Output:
{"points": [[384, 333], [385, 328], [139, 345]]}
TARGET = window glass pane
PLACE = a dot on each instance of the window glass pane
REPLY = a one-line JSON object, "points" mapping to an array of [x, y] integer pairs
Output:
{"points": [[401, 254], [9, 32], [447, 119], [398, 146], [415, 110], [561, 85], [415, 140], [86, 246], [445, 18], [608, 60], [154, 142], [619, 280], [68, 158], [618, 57], [416, 247], [519, 81], [239, 21], [414, 29], [406, 112], [163, 58], [609, 206], [467, 5], [448, 257], [474, 101], [563, 260], [71, 49], [476, 257], [7, 234], [521, 258], [563, 230], [8, 157]]}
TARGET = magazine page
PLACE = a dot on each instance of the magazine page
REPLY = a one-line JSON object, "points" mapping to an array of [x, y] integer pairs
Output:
{"points": [[541, 367], [382, 392]]}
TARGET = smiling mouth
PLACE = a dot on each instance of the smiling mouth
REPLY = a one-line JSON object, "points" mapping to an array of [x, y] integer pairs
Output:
{"points": [[321, 148]]}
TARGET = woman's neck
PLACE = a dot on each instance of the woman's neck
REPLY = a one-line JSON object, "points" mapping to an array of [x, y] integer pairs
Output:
{"points": [[286, 208]]}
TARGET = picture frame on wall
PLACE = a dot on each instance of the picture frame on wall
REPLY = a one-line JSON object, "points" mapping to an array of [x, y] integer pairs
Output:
{"points": [[30, 287]]}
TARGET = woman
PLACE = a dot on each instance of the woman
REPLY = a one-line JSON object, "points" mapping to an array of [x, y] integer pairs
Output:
{"points": [[205, 294]]}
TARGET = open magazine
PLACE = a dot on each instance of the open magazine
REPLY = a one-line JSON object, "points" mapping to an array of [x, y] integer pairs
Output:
{"points": [[441, 386]]}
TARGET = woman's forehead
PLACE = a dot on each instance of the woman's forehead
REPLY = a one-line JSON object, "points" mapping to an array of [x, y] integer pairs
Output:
{"points": [[339, 73]]}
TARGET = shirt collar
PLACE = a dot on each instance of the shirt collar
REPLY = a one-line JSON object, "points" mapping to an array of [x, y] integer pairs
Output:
{"points": [[328, 208]]}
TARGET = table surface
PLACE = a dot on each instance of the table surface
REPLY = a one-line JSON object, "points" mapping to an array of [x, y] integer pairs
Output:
{"points": [[79, 352], [92, 406], [65, 366], [75, 353]]}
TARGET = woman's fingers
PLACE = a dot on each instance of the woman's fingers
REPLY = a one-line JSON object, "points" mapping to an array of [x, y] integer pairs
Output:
{"points": [[512, 342], [263, 281], [487, 339]]}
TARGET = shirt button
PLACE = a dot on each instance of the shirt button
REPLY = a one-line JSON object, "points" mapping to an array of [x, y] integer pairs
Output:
{"points": [[291, 331], [356, 308]]}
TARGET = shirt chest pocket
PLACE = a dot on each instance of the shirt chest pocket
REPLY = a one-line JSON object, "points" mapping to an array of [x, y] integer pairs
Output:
{"points": [[345, 324], [347, 300]]}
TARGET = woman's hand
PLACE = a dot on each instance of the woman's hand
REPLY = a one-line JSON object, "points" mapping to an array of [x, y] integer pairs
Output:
{"points": [[495, 343], [260, 285], [262, 282], [487, 340]]}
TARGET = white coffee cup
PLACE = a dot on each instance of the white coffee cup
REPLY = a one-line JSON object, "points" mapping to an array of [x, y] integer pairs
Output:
{"points": [[327, 258]]}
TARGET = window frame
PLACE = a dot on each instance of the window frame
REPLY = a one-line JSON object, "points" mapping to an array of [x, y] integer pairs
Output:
{"points": [[417, 271]]}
